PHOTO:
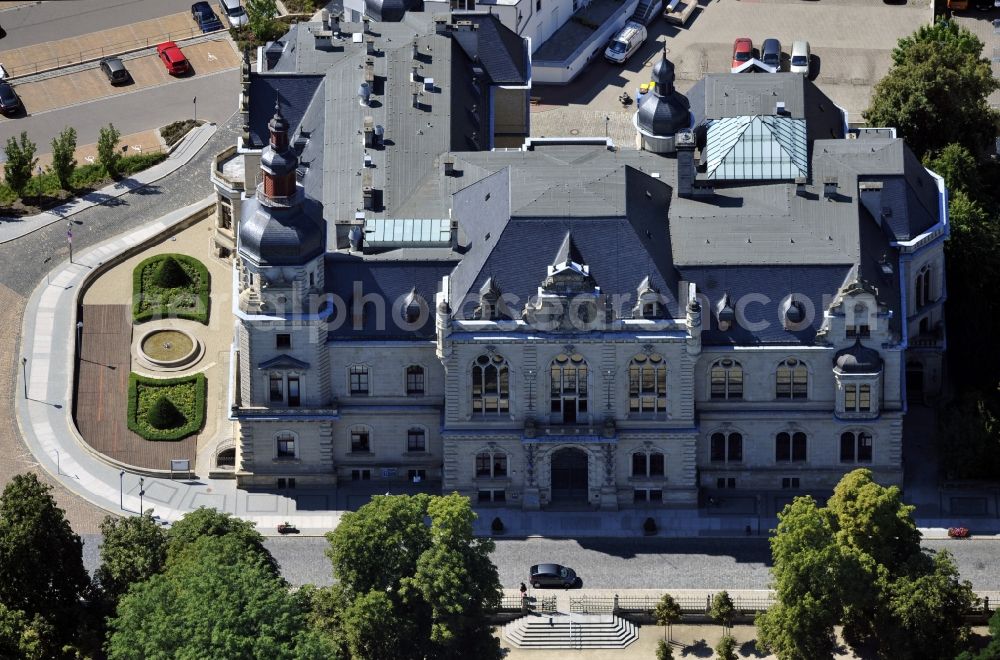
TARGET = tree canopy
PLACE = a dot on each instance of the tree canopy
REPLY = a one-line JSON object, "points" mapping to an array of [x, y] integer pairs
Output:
{"points": [[204, 521], [134, 549], [434, 581], [41, 558], [859, 561], [935, 93]]}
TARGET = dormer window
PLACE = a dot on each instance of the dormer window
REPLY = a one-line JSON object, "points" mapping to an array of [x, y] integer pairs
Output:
{"points": [[412, 307], [859, 325]]}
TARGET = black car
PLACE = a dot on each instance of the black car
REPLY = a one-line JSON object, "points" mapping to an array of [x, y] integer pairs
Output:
{"points": [[553, 575], [206, 19], [770, 53], [9, 101], [115, 70]]}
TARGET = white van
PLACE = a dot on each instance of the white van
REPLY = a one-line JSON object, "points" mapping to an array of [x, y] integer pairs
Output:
{"points": [[233, 12], [626, 42]]}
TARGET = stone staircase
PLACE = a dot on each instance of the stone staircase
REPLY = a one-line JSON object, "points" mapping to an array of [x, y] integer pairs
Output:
{"points": [[646, 11], [571, 631]]}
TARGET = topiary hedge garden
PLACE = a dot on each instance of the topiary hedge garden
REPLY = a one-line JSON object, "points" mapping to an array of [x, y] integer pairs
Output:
{"points": [[170, 286], [166, 408]]}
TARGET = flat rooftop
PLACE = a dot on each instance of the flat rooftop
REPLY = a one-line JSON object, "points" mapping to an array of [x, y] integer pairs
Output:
{"points": [[568, 38]]}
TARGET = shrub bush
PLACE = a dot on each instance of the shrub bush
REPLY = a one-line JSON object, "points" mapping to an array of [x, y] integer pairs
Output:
{"points": [[185, 395], [153, 300]]}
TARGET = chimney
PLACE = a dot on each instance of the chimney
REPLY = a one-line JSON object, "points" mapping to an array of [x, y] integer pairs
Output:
{"points": [[415, 52], [684, 141], [829, 187], [369, 71], [779, 108], [369, 132], [369, 45], [364, 94], [449, 165], [800, 186], [415, 73], [325, 17], [367, 190], [379, 134]]}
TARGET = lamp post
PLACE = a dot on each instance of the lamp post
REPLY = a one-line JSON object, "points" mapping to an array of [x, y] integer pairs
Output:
{"points": [[58, 463], [607, 119], [121, 490], [24, 372], [79, 338], [142, 491], [69, 239], [195, 102]]}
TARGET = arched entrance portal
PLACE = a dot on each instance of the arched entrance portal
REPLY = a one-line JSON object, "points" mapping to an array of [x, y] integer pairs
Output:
{"points": [[569, 476]]}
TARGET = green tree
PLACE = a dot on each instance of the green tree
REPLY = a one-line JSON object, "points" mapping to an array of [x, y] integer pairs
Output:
{"points": [[63, 163], [163, 414], [992, 650], [134, 549], [971, 434], [438, 579], [170, 274], [209, 522], [20, 163], [217, 598], [41, 558], [722, 610], [936, 92], [24, 638], [663, 650], [667, 613], [957, 166], [108, 154], [260, 15], [726, 648], [374, 629]]}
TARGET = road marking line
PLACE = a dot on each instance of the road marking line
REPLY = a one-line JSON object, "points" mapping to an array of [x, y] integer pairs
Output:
{"points": [[212, 57]]}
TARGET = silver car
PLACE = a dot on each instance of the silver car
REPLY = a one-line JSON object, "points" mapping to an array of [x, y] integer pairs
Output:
{"points": [[234, 12], [800, 58]]}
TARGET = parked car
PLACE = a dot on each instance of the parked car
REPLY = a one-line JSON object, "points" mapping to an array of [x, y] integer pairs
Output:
{"points": [[800, 58], [553, 575], [233, 11], [626, 42], [770, 53], [9, 100], [3, 72], [206, 19], [115, 70], [742, 51], [173, 58]]}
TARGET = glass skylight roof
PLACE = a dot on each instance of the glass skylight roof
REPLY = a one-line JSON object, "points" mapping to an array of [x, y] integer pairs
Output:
{"points": [[757, 147], [407, 232]]}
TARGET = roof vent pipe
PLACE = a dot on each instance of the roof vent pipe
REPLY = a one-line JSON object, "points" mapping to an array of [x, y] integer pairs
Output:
{"points": [[364, 94], [325, 17], [800, 186], [830, 187]]}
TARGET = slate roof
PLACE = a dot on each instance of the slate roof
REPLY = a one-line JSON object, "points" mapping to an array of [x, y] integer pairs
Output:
{"points": [[500, 52], [294, 92]]}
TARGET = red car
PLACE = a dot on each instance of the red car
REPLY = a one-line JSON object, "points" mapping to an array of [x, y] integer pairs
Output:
{"points": [[742, 52], [173, 58]]}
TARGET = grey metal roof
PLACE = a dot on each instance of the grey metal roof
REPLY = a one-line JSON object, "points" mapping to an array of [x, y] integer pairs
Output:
{"points": [[295, 92], [500, 52], [763, 148], [281, 236], [664, 111]]}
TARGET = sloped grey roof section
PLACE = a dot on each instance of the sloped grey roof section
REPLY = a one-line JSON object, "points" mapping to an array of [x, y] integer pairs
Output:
{"points": [[858, 359], [281, 236], [500, 53], [294, 92], [729, 95], [756, 148]]}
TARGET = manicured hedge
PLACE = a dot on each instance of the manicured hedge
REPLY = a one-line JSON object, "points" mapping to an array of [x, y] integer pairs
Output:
{"points": [[187, 393], [151, 301]]}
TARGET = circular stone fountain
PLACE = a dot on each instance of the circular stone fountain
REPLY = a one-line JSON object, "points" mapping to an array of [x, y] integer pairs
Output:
{"points": [[169, 348]]}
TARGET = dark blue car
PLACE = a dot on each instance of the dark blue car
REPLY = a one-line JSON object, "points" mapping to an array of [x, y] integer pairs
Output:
{"points": [[206, 19]]}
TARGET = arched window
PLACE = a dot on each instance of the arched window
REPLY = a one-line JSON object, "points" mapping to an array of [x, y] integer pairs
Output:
{"points": [[647, 384], [414, 380], [359, 380], [361, 442], [284, 445], [727, 379], [416, 439], [569, 387], [727, 447], [491, 465], [648, 463], [792, 380], [856, 447], [490, 385], [226, 458], [923, 286], [858, 398], [790, 447]]}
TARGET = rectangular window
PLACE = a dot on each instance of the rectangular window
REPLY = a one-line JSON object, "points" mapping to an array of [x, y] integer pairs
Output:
{"points": [[281, 483], [643, 495], [865, 399], [483, 465], [361, 475], [656, 464], [414, 381], [415, 440], [799, 447], [735, 447], [725, 482], [783, 447], [359, 380], [277, 389], [718, 449], [639, 464], [851, 398], [847, 448], [360, 441], [283, 341], [291, 482], [790, 482], [293, 391], [416, 476], [499, 465], [492, 496], [864, 448], [286, 446]]}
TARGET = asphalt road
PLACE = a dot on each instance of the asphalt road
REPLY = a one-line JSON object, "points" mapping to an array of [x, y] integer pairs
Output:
{"points": [[49, 21], [152, 107], [624, 563]]}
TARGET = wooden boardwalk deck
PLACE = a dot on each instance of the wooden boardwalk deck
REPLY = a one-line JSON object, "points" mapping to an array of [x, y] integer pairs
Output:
{"points": [[102, 393]]}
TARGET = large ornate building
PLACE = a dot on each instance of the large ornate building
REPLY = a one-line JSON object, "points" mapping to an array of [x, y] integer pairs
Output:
{"points": [[743, 302]]}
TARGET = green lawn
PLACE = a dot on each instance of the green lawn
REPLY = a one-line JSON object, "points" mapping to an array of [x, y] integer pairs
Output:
{"points": [[151, 299], [187, 394]]}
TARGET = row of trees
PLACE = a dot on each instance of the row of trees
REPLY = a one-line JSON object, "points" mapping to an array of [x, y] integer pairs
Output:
{"points": [[21, 161], [936, 95], [412, 582]]}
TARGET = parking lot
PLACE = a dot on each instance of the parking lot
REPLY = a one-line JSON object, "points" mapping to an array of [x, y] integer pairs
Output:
{"points": [[851, 42], [147, 71], [981, 25]]}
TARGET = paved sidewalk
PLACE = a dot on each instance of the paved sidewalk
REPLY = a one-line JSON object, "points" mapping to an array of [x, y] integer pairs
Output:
{"points": [[13, 228]]}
